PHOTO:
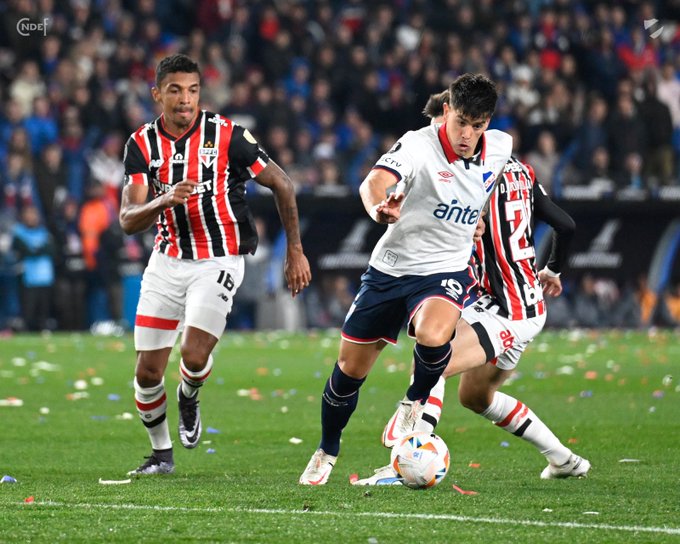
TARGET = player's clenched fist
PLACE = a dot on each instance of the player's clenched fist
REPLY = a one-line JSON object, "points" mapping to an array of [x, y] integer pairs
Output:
{"points": [[180, 192]]}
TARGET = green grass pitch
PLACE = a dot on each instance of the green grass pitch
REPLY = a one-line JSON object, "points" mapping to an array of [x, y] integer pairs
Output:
{"points": [[612, 396]]}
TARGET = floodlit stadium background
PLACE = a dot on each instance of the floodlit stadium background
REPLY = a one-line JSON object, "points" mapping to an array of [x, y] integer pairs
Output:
{"points": [[590, 92]]}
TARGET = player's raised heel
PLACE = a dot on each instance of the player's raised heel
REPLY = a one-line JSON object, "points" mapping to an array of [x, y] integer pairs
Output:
{"points": [[402, 422], [576, 467], [318, 469], [189, 419]]}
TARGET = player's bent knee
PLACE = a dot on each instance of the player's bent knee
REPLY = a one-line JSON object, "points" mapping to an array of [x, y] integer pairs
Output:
{"points": [[434, 337], [474, 401]]}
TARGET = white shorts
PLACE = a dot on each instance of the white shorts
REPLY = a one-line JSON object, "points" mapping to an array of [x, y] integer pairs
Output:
{"points": [[177, 293], [502, 339]]}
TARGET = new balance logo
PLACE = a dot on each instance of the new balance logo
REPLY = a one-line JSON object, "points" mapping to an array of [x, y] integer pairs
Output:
{"points": [[155, 163]]}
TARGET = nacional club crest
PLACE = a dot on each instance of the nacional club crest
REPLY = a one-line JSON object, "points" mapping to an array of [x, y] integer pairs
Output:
{"points": [[488, 178], [207, 154]]}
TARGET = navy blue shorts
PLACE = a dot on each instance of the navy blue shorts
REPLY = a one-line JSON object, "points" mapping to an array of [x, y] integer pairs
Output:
{"points": [[384, 303]]}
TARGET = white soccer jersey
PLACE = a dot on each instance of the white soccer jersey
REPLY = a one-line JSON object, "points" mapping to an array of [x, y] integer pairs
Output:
{"points": [[444, 196]]}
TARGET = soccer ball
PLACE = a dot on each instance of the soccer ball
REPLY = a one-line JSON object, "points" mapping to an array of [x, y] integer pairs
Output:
{"points": [[421, 459]]}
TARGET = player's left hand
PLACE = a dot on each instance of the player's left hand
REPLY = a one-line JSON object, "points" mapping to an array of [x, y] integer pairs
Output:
{"points": [[552, 285], [296, 270], [480, 229]]}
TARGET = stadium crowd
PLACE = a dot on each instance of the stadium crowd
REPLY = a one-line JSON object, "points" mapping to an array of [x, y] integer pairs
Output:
{"points": [[590, 95]]}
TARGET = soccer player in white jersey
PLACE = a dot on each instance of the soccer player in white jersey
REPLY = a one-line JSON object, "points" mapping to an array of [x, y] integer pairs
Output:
{"points": [[197, 163], [508, 315], [419, 271]]}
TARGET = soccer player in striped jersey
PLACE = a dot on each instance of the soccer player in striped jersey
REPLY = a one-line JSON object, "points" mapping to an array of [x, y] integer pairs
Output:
{"points": [[196, 165], [419, 270], [500, 324]]}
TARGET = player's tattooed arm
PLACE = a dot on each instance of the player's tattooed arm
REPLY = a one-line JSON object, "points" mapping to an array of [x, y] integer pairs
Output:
{"points": [[296, 268]]}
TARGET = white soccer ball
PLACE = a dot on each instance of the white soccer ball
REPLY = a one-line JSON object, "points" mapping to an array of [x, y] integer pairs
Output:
{"points": [[421, 459]]}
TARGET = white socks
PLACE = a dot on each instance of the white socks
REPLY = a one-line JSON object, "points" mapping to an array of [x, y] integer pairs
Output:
{"points": [[151, 405], [193, 381], [517, 418]]}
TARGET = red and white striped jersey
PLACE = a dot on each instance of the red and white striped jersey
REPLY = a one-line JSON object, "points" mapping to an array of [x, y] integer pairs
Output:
{"points": [[506, 252], [218, 154]]}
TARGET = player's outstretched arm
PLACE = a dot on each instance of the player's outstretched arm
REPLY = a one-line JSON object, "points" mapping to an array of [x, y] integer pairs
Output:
{"points": [[296, 268], [564, 226], [137, 215]]}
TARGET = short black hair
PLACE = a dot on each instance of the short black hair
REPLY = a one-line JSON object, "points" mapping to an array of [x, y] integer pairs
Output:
{"points": [[435, 104], [173, 64], [473, 95]]}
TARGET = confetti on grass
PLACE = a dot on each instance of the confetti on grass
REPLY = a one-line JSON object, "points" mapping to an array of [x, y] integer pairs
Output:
{"points": [[463, 491], [8, 480], [114, 482], [11, 401], [295, 440], [626, 460]]}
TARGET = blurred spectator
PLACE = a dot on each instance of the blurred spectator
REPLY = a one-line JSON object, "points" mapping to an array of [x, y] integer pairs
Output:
{"points": [[34, 247], [18, 187], [658, 154], [70, 287], [27, 86], [51, 181], [41, 125], [631, 175], [668, 91], [111, 257], [591, 134], [647, 300], [671, 298], [96, 216], [626, 134], [544, 159], [587, 310], [599, 174], [106, 167], [339, 297]]}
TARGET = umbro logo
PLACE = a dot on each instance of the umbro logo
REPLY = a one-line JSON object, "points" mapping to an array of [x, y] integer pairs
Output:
{"points": [[446, 176]]}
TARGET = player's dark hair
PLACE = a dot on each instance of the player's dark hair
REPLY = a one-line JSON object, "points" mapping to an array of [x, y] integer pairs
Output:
{"points": [[473, 95], [435, 104], [173, 64]]}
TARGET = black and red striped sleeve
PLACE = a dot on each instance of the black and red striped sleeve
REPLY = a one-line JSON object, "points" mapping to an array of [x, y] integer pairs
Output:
{"points": [[136, 166], [245, 154]]}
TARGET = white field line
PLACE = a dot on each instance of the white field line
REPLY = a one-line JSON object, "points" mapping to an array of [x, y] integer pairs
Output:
{"points": [[389, 515]]}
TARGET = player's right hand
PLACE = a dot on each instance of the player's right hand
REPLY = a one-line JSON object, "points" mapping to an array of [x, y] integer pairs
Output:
{"points": [[389, 210], [180, 193]]}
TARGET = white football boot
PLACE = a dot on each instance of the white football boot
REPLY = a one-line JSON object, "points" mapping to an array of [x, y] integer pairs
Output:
{"points": [[576, 466], [383, 476], [402, 422], [318, 469]]}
